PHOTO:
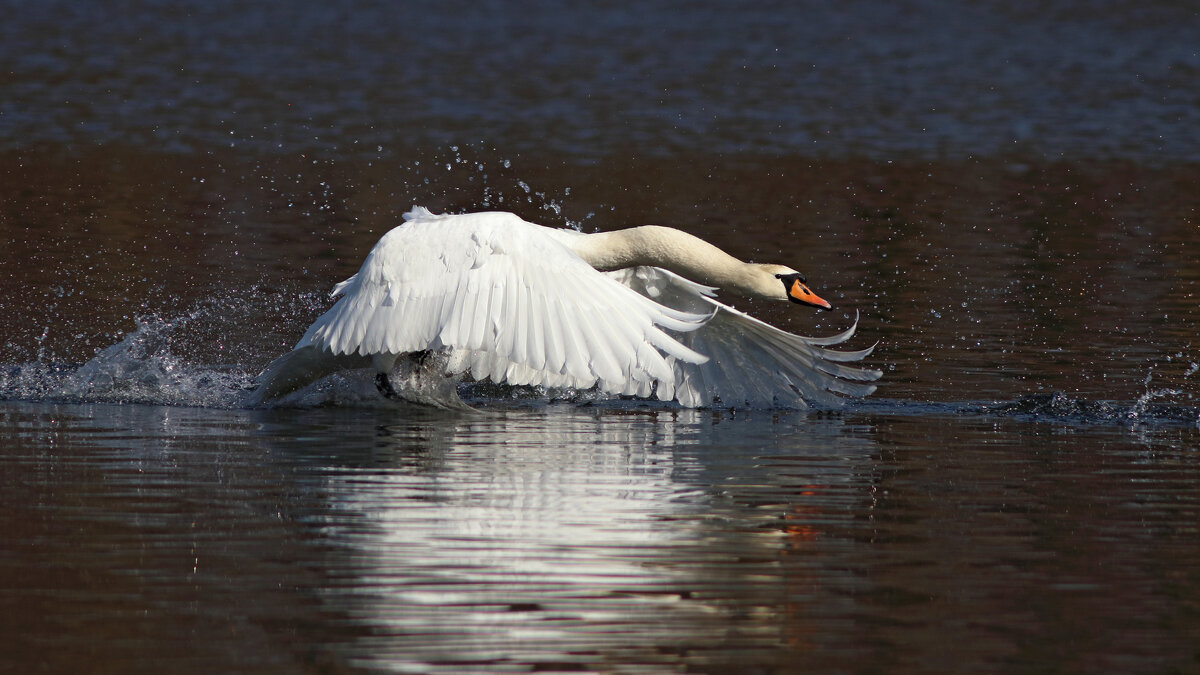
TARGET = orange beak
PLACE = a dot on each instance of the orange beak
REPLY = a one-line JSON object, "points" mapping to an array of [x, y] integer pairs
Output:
{"points": [[801, 294]]}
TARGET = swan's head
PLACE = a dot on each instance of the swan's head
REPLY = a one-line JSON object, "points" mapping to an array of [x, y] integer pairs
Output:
{"points": [[784, 283]]}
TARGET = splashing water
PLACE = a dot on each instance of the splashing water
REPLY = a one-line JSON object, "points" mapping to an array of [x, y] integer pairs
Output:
{"points": [[142, 368], [1153, 406], [179, 360], [1143, 404]]}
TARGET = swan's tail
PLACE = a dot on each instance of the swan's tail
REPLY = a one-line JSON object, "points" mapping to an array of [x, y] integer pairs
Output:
{"points": [[299, 367]]}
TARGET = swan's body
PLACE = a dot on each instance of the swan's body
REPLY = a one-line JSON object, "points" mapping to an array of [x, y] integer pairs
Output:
{"points": [[629, 312]]}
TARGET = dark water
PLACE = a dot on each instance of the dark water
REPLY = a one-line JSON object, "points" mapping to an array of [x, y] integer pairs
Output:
{"points": [[564, 538], [1007, 196], [873, 78]]}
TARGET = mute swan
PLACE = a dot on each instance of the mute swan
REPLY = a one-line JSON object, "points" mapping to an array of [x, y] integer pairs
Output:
{"points": [[630, 312]]}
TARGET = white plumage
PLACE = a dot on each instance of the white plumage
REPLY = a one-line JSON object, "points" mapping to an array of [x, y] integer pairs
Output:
{"points": [[505, 300]]}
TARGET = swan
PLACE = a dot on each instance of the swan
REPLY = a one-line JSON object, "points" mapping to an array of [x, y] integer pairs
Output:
{"points": [[630, 312]]}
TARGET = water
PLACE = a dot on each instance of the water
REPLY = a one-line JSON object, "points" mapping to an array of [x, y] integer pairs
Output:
{"points": [[880, 79], [566, 538], [1006, 196]]}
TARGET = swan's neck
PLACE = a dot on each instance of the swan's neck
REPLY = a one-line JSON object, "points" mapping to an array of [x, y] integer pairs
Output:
{"points": [[674, 250]]}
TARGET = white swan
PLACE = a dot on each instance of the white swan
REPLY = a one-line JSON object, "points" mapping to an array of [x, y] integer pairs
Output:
{"points": [[630, 312]]}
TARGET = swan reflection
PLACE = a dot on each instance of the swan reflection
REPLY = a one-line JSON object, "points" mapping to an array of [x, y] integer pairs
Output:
{"points": [[568, 530]]}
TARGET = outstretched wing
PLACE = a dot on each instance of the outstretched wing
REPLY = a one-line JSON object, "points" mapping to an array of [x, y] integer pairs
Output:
{"points": [[750, 363], [510, 302]]}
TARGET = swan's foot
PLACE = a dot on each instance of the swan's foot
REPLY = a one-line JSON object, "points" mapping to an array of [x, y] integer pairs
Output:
{"points": [[384, 384]]}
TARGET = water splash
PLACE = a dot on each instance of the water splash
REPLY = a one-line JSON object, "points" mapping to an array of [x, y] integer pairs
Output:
{"points": [[204, 356], [142, 367], [1144, 403], [1060, 407]]}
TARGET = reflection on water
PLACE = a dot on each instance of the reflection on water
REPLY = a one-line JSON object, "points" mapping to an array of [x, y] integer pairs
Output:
{"points": [[560, 537], [508, 535], [573, 538]]}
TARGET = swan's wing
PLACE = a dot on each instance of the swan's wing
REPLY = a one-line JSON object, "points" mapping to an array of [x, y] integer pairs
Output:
{"points": [[751, 363], [509, 302]]}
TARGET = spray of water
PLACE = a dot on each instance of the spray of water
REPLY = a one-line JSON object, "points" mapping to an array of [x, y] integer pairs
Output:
{"points": [[205, 356]]}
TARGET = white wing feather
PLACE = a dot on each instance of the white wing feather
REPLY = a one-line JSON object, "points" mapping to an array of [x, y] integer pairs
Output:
{"points": [[539, 315], [751, 363]]}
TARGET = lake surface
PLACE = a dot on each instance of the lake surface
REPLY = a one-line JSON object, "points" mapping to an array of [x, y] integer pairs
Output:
{"points": [[1006, 197]]}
